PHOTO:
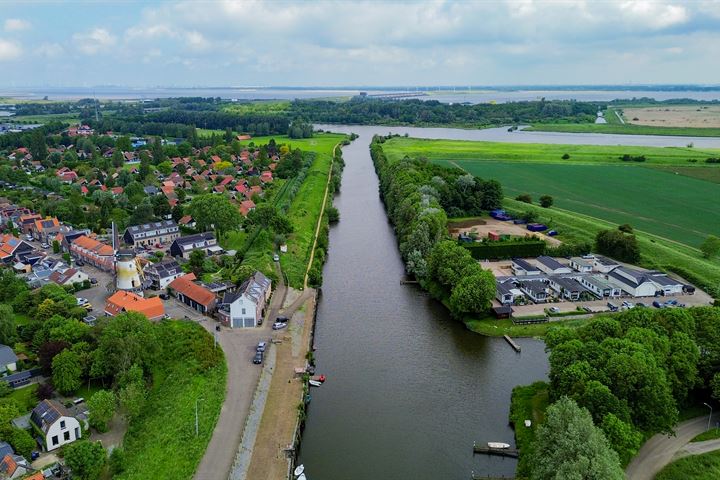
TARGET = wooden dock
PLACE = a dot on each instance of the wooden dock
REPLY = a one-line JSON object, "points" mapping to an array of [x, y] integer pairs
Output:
{"points": [[514, 345], [501, 452], [477, 476]]}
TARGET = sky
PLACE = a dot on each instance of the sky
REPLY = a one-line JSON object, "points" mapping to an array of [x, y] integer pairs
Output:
{"points": [[352, 43]]}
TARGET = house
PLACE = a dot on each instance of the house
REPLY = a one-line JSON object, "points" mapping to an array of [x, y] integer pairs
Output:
{"points": [[27, 222], [124, 301], [599, 286], [12, 248], [551, 266], [68, 237], [8, 360], [632, 281], [246, 206], [6, 449], [582, 265], [506, 293], [159, 275], [667, 285], [55, 424], [151, 190], [148, 234], [568, 288], [69, 276], [184, 246], [522, 267], [604, 264], [195, 296], [246, 306], [93, 252], [187, 221], [13, 466], [535, 289]]}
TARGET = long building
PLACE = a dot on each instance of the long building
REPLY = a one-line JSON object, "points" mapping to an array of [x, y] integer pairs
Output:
{"points": [[153, 233]]}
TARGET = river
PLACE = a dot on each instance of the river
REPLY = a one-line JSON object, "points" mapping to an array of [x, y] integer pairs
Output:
{"points": [[409, 390]]}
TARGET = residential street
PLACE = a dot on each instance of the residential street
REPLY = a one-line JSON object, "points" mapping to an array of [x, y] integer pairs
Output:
{"points": [[660, 450], [242, 378]]}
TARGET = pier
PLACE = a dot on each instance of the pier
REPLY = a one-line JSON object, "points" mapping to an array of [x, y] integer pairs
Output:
{"points": [[501, 452], [512, 343]]}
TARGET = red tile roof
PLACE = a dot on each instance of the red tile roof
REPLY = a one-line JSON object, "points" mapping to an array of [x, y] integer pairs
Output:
{"points": [[186, 287], [122, 301]]}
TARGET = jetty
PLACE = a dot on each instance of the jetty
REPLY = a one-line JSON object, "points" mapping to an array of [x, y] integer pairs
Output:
{"points": [[512, 343], [501, 452], [477, 476]]}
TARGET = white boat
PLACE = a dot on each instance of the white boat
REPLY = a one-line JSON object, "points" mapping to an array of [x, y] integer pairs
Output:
{"points": [[301, 477], [314, 383], [299, 470], [498, 445]]}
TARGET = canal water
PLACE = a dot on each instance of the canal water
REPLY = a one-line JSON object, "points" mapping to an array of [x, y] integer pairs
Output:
{"points": [[409, 389]]}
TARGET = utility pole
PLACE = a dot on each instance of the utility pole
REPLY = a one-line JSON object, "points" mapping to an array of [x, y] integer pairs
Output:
{"points": [[710, 417]]}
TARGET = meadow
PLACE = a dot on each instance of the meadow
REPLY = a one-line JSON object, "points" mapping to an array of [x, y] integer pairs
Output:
{"points": [[676, 207], [626, 129], [696, 467]]}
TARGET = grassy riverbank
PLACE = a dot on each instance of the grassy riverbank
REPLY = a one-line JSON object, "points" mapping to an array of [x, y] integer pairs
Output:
{"points": [[528, 402], [624, 129], [492, 327], [695, 467]]}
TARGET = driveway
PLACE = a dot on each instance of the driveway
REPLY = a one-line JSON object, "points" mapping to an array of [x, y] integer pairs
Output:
{"points": [[242, 379], [660, 450]]}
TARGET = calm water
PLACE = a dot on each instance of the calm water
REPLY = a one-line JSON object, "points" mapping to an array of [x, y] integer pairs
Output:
{"points": [[409, 390]]}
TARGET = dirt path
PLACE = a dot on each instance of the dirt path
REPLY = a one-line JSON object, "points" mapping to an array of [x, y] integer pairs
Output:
{"points": [[275, 436], [660, 450]]}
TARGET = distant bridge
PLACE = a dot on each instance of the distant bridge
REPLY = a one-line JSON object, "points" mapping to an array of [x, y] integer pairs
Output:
{"points": [[396, 95]]}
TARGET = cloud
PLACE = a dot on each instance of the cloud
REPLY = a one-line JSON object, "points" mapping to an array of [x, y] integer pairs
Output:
{"points": [[9, 50], [50, 50], [196, 41], [94, 41], [16, 24]]}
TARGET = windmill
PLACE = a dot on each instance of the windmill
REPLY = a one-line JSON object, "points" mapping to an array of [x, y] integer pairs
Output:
{"points": [[128, 274]]}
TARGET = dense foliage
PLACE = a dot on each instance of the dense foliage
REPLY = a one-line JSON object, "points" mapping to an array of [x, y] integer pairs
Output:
{"points": [[618, 244]]}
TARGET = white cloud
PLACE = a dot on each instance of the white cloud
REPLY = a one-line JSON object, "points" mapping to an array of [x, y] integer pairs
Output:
{"points": [[654, 14], [16, 24], [149, 32], [50, 50], [196, 41], [94, 41], [9, 50]]}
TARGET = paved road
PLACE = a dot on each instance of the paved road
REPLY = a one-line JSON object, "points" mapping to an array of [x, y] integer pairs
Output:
{"points": [[698, 448], [660, 449], [242, 379]]}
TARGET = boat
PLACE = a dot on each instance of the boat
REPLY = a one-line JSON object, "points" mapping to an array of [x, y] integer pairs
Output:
{"points": [[315, 383], [301, 477], [498, 445], [299, 470], [318, 378]]}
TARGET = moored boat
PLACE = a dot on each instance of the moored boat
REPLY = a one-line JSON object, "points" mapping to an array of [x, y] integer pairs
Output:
{"points": [[315, 383], [299, 470], [498, 445], [302, 477]]}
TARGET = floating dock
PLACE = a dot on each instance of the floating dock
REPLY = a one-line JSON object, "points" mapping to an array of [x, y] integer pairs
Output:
{"points": [[512, 343], [501, 452]]}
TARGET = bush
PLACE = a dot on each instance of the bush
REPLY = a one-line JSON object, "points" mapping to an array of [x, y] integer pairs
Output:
{"points": [[505, 250], [565, 156], [546, 201], [525, 197], [333, 214]]}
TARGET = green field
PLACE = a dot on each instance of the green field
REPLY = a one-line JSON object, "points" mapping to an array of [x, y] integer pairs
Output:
{"points": [[676, 207], [696, 467]]}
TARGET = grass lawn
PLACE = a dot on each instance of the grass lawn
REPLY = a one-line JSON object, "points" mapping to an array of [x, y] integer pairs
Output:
{"points": [[528, 402], [161, 443], [627, 129], [25, 397], [303, 211], [696, 467], [497, 328], [50, 117], [708, 174], [233, 240], [711, 434]]}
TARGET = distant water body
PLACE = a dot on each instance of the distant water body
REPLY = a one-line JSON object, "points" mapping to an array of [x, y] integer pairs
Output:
{"points": [[446, 96]]}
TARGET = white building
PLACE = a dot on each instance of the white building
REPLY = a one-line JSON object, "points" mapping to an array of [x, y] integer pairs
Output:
{"points": [[551, 266], [582, 265], [599, 286], [160, 275], [8, 359], [55, 424], [522, 267], [604, 264], [68, 276], [246, 306], [634, 282], [535, 289]]}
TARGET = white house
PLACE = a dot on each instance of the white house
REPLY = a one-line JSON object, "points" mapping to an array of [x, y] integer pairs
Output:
{"points": [[68, 276], [567, 287], [604, 264], [55, 424], [535, 289], [669, 286], [582, 265], [522, 267], [8, 359], [634, 282], [551, 266], [160, 275], [246, 306], [599, 286]]}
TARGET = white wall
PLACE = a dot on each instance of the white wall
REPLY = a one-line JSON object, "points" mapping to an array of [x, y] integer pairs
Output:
{"points": [[72, 427]]}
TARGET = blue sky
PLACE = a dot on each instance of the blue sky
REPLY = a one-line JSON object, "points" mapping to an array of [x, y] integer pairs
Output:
{"points": [[323, 43]]}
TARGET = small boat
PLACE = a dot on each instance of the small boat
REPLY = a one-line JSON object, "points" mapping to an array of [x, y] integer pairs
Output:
{"points": [[315, 383], [498, 445], [299, 470], [301, 477], [318, 378]]}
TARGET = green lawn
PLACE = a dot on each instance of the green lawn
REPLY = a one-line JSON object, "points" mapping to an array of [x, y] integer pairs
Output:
{"points": [[626, 129], [708, 174], [497, 328], [696, 467], [25, 397], [233, 240], [711, 434], [528, 402]]}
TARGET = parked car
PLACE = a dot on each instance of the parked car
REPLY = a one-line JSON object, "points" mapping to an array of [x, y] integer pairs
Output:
{"points": [[640, 304], [587, 309], [45, 246], [94, 281], [671, 302], [657, 304], [282, 320], [258, 358], [276, 258], [81, 301], [627, 304], [554, 310], [80, 263], [279, 325], [261, 346], [164, 296], [612, 307]]}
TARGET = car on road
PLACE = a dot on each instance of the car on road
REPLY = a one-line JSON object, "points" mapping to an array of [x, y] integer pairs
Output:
{"points": [[261, 346], [627, 304], [657, 304], [282, 320], [45, 246], [279, 325], [164, 296], [258, 358], [276, 258], [554, 310], [29, 238], [81, 301], [94, 281], [612, 307]]}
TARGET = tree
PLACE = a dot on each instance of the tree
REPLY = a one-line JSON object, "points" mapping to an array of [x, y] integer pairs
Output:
{"points": [[618, 245], [102, 407], [67, 372], [214, 211], [47, 353], [447, 262], [546, 201], [5, 389], [23, 443], [126, 340], [117, 159], [473, 293], [622, 437], [38, 144], [123, 144], [525, 197], [569, 446], [626, 228], [86, 459], [197, 260], [132, 399], [710, 246], [492, 195], [56, 246], [715, 386], [8, 326]]}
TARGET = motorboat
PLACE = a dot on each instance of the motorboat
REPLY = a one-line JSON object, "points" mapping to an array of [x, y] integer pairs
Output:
{"points": [[318, 378], [299, 470], [498, 445], [301, 477], [315, 383]]}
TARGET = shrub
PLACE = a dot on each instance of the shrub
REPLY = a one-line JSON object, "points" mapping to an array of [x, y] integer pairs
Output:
{"points": [[565, 156], [525, 197]]}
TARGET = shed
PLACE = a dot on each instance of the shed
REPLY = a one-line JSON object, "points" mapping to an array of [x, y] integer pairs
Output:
{"points": [[502, 312]]}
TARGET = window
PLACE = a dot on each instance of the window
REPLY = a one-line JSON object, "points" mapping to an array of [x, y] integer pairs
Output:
{"points": [[243, 311], [55, 440], [77, 433], [66, 435], [62, 424]]}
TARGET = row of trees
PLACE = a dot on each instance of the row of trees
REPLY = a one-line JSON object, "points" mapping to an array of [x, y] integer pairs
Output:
{"points": [[418, 197]]}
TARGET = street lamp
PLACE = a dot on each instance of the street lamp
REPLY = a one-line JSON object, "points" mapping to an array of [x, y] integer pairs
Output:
{"points": [[710, 417]]}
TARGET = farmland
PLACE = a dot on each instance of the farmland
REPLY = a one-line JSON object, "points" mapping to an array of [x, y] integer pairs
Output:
{"points": [[626, 129], [592, 182], [698, 116]]}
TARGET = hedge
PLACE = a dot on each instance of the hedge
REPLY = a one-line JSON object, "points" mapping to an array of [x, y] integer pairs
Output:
{"points": [[505, 250]]}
